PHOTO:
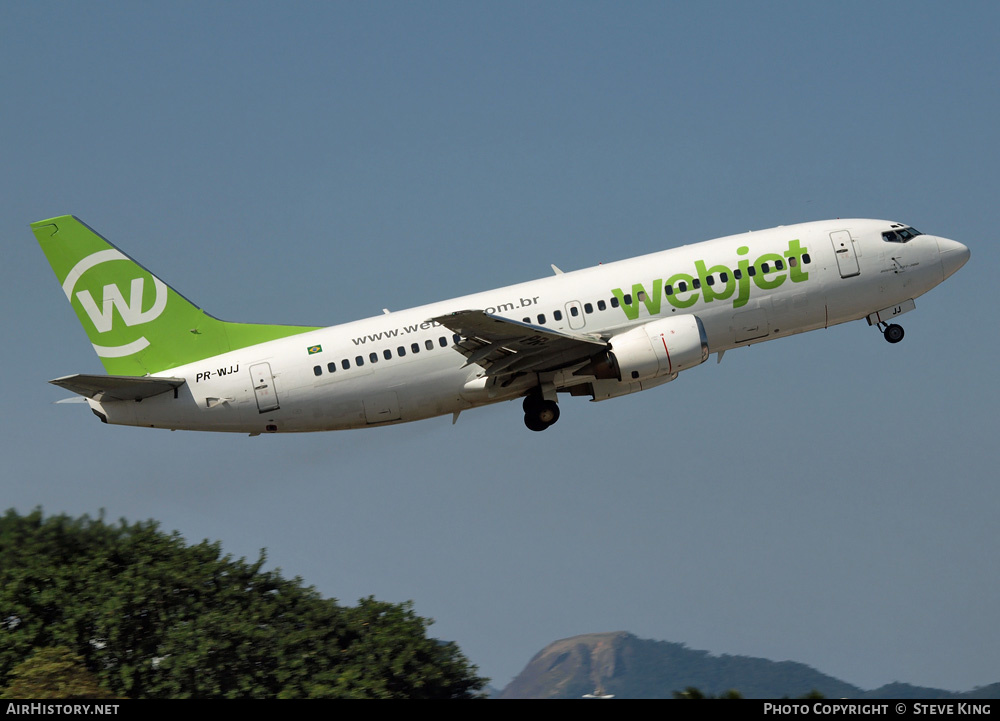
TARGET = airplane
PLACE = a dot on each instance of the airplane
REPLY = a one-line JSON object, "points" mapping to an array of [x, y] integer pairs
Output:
{"points": [[602, 332]]}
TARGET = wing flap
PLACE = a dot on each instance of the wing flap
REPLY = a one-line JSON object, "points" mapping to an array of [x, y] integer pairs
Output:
{"points": [[504, 347], [119, 388]]}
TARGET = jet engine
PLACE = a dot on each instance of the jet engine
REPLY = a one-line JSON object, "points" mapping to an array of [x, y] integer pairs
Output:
{"points": [[658, 348]]}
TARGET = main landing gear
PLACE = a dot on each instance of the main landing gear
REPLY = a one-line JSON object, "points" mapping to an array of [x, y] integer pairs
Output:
{"points": [[891, 332], [539, 413]]}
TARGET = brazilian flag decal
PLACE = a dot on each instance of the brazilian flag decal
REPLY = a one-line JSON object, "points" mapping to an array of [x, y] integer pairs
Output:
{"points": [[313, 349]]}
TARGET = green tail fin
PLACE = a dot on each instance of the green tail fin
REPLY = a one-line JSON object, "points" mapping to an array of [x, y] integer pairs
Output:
{"points": [[137, 323]]}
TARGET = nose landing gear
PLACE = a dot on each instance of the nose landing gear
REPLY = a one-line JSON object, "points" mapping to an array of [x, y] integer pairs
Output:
{"points": [[539, 413], [891, 332]]}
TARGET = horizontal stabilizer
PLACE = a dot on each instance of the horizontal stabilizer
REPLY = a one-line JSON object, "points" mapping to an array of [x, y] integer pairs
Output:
{"points": [[117, 388]]}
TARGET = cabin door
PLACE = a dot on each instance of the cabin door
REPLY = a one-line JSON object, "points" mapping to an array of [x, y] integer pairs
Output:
{"points": [[263, 387], [847, 259]]}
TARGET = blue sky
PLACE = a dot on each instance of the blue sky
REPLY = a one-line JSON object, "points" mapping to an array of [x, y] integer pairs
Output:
{"points": [[829, 498]]}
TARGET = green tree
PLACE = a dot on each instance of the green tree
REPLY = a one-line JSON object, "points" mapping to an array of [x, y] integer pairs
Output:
{"points": [[154, 617], [54, 673]]}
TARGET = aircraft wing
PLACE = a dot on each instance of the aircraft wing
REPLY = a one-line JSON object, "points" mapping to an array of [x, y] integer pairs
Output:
{"points": [[504, 347], [119, 388]]}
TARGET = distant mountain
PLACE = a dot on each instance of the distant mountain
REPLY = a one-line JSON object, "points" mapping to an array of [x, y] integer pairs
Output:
{"points": [[905, 690], [991, 691], [629, 667]]}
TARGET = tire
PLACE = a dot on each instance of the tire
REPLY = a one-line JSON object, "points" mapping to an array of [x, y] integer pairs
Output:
{"points": [[548, 412], [540, 414], [531, 402], [893, 333], [533, 423]]}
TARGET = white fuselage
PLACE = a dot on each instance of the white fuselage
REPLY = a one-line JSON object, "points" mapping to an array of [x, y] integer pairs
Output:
{"points": [[401, 366]]}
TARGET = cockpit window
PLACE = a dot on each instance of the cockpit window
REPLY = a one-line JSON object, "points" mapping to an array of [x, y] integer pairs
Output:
{"points": [[900, 235]]}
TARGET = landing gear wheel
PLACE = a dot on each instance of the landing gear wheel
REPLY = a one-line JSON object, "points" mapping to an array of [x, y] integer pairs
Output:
{"points": [[548, 412], [534, 424], [540, 414], [893, 333]]}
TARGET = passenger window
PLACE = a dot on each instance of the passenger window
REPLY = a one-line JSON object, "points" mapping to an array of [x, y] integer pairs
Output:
{"points": [[526, 319], [541, 319], [359, 361], [805, 258], [429, 344], [641, 296], [588, 308], [457, 338], [723, 277], [710, 280], [387, 354], [318, 370], [414, 348], [443, 342], [557, 315], [682, 286], [792, 262], [401, 351], [345, 364], [373, 357], [627, 298], [752, 271], [778, 265], [765, 267], [614, 301], [601, 305], [696, 283], [669, 290], [574, 311], [332, 367], [738, 274]]}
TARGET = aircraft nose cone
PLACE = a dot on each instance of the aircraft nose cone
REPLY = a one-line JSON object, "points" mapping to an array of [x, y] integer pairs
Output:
{"points": [[953, 255]]}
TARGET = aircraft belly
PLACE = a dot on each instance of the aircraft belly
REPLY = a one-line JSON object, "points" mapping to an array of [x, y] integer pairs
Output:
{"points": [[404, 393], [381, 407], [180, 413], [751, 324], [435, 394], [407, 392], [796, 311], [852, 298]]}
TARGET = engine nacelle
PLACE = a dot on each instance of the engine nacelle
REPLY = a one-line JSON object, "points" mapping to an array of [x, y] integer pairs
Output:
{"points": [[602, 390], [658, 348]]}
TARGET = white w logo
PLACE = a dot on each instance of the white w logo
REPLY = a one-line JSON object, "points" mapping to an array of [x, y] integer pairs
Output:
{"points": [[130, 311]]}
